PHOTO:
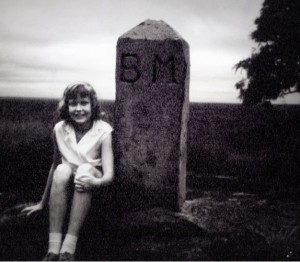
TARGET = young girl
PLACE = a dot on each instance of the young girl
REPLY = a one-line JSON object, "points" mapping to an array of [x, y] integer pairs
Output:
{"points": [[82, 161]]}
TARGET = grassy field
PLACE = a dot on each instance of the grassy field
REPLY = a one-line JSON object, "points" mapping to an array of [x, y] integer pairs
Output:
{"points": [[258, 147]]}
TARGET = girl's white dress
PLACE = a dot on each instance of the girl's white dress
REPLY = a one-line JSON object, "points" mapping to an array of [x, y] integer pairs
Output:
{"points": [[87, 150]]}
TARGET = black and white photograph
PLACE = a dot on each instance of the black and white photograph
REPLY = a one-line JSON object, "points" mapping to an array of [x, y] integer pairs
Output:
{"points": [[152, 130]]}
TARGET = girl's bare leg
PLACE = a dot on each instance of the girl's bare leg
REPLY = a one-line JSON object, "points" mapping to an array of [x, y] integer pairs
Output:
{"points": [[59, 197], [57, 208], [81, 204]]}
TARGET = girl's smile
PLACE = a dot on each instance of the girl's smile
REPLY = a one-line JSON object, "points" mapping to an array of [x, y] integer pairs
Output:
{"points": [[80, 110]]}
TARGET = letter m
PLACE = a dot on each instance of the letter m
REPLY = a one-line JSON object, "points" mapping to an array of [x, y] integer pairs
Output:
{"points": [[164, 70]]}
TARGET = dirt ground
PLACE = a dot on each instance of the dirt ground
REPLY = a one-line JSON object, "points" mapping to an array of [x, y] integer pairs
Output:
{"points": [[213, 225]]}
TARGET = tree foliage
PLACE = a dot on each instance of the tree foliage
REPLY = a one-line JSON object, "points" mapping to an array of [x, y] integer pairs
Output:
{"points": [[273, 69]]}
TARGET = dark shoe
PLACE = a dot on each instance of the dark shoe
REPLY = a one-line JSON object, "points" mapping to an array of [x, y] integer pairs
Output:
{"points": [[50, 257], [66, 257]]}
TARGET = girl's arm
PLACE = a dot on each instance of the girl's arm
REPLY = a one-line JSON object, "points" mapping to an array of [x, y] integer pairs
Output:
{"points": [[107, 163], [40, 205]]}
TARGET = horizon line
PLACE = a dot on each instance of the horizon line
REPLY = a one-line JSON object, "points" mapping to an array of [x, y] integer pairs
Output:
{"points": [[113, 100]]}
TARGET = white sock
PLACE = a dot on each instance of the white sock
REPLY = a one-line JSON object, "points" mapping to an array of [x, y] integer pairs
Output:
{"points": [[54, 242], [69, 244]]}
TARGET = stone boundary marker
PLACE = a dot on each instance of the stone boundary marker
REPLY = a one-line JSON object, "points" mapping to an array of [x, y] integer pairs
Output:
{"points": [[151, 114]]}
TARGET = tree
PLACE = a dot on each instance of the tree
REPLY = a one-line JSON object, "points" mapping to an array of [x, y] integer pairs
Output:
{"points": [[273, 69]]}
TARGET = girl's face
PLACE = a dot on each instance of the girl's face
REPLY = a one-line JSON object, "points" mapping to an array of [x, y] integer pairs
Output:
{"points": [[80, 110]]}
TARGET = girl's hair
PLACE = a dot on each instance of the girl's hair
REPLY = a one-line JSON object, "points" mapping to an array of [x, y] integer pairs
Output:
{"points": [[82, 89]]}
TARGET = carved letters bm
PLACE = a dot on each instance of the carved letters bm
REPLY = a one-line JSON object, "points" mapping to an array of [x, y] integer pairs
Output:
{"points": [[163, 70]]}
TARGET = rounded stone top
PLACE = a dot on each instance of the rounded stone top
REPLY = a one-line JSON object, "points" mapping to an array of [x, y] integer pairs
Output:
{"points": [[152, 30]]}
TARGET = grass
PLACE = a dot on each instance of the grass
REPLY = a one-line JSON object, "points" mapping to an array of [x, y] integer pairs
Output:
{"points": [[256, 144]]}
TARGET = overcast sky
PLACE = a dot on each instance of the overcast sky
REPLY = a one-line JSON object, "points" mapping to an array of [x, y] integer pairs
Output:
{"points": [[46, 44]]}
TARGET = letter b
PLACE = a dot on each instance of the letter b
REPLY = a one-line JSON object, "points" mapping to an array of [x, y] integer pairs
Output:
{"points": [[130, 68]]}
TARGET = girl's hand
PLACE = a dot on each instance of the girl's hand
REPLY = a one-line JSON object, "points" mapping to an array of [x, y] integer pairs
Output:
{"points": [[85, 182], [32, 209]]}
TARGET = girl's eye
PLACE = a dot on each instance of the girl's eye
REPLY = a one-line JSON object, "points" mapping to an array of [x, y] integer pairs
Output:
{"points": [[83, 103]]}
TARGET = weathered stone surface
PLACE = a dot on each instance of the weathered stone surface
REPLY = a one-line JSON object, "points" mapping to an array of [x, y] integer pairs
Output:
{"points": [[151, 114]]}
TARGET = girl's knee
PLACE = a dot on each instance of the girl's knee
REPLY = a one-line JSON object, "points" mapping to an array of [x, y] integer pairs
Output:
{"points": [[62, 174], [85, 168], [88, 169]]}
